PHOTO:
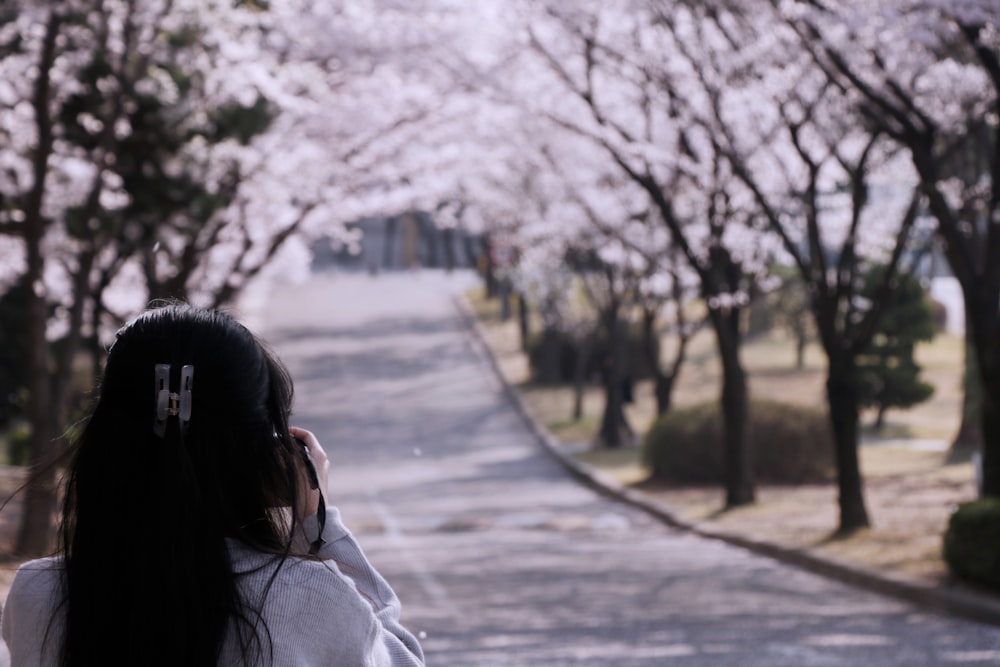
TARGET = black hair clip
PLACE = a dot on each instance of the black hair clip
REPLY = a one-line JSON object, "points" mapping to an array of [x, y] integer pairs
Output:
{"points": [[172, 404]]}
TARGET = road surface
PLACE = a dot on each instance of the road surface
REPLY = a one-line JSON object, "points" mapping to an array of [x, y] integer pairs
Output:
{"points": [[501, 558]]}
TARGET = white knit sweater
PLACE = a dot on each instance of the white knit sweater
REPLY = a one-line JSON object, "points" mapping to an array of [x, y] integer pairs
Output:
{"points": [[338, 612]]}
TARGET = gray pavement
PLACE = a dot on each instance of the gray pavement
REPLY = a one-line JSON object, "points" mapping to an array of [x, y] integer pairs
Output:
{"points": [[501, 558]]}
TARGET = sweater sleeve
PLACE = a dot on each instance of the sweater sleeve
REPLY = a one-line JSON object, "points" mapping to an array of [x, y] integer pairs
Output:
{"points": [[390, 644], [31, 628]]}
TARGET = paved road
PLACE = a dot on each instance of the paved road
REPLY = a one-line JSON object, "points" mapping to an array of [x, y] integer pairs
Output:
{"points": [[500, 558]]}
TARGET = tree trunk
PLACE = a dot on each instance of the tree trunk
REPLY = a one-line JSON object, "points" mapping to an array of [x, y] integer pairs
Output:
{"points": [[488, 268], [504, 294], [522, 320], [844, 415], [982, 316], [549, 353], [981, 293], [663, 389], [613, 421], [991, 425], [739, 472], [880, 417], [580, 376], [970, 434], [610, 433], [35, 535], [663, 383]]}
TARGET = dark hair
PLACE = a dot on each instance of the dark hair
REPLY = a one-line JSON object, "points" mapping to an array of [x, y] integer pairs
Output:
{"points": [[148, 578]]}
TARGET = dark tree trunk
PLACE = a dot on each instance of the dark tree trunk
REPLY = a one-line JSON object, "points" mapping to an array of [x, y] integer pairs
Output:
{"points": [[970, 432], [663, 382], [549, 370], [580, 376], [739, 472], [489, 268], [522, 320], [663, 390], [981, 319], [611, 433], [613, 421], [880, 417], [991, 424], [980, 283], [842, 397], [35, 538]]}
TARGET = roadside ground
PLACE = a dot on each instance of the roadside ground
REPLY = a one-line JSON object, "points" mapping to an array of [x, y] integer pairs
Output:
{"points": [[910, 486]]}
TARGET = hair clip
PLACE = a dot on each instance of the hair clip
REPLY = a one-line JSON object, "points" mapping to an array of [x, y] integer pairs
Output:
{"points": [[172, 404]]}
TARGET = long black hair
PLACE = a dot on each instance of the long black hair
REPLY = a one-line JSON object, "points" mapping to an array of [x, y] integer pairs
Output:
{"points": [[148, 578]]}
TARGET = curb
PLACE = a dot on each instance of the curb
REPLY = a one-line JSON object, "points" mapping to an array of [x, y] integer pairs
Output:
{"points": [[967, 604]]}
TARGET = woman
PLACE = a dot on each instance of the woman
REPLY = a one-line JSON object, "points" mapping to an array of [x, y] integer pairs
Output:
{"points": [[194, 531]]}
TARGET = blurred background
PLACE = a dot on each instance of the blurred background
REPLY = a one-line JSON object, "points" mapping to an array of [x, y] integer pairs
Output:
{"points": [[668, 204]]}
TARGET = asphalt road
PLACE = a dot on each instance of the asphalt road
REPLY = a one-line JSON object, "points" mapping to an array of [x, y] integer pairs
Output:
{"points": [[501, 558]]}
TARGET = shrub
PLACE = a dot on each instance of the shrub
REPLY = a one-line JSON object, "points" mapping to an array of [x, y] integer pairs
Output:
{"points": [[792, 444], [552, 355], [972, 542]]}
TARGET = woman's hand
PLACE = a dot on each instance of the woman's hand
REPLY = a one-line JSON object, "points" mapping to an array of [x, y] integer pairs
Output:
{"points": [[310, 497]]}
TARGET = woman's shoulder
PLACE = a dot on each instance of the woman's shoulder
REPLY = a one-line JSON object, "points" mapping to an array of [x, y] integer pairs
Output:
{"points": [[40, 576], [36, 586], [291, 571], [48, 564], [29, 608]]}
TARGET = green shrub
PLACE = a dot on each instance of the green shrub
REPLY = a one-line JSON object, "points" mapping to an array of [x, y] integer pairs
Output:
{"points": [[792, 444], [972, 542]]}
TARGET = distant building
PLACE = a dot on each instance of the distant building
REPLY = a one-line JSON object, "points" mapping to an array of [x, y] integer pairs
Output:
{"points": [[406, 241]]}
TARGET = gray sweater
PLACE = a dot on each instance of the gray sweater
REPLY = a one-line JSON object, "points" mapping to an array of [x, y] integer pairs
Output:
{"points": [[331, 613]]}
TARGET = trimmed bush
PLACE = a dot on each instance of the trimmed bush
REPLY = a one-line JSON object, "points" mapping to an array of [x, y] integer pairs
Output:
{"points": [[972, 542], [792, 444]]}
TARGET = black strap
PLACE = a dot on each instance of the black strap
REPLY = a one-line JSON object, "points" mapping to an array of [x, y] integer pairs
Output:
{"points": [[318, 543]]}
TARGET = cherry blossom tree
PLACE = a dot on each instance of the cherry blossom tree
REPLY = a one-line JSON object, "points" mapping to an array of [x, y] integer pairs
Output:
{"points": [[638, 267], [927, 74], [838, 195], [183, 146], [36, 41], [599, 62]]}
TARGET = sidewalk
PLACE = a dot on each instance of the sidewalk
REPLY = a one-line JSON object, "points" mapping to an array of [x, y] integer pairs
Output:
{"points": [[951, 598]]}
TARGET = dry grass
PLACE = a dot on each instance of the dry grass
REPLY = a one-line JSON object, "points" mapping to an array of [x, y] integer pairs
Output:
{"points": [[910, 490]]}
